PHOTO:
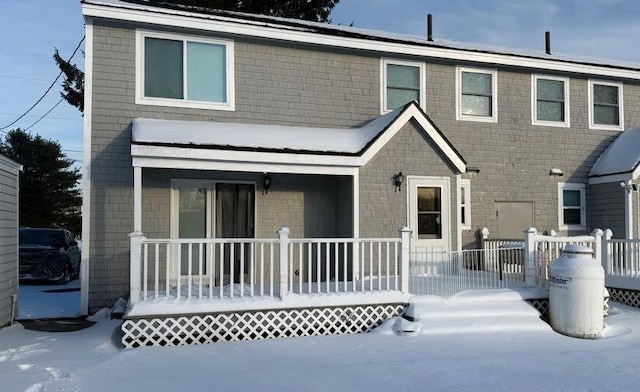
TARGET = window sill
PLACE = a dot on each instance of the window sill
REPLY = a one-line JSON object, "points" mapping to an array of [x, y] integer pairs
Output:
{"points": [[186, 104], [557, 124], [462, 117]]}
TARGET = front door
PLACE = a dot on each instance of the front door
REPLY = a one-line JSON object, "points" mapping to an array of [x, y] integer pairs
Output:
{"points": [[429, 213]]}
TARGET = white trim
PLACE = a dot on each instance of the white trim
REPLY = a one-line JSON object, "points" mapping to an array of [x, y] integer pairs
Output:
{"points": [[436, 137], [494, 95], [466, 185], [413, 182], [613, 178], [356, 204], [86, 177], [628, 209], [583, 205], [140, 99], [137, 199], [592, 124], [384, 62], [534, 102], [285, 33]]}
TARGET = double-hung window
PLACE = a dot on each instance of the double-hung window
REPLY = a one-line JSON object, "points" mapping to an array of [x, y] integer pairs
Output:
{"points": [[184, 71], [402, 82], [550, 101], [476, 97], [571, 206], [605, 105]]}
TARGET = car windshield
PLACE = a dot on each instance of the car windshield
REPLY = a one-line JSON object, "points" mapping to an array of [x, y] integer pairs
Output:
{"points": [[42, 237]]}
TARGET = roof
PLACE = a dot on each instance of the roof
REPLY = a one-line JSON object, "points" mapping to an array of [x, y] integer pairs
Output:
{"points": [[240, 136], [156, 142], [294, 25], [621, 159]]}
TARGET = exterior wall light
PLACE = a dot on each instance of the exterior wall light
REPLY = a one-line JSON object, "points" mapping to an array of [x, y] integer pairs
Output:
{"points": [[556, 172], [266, 183], [398, 179]]}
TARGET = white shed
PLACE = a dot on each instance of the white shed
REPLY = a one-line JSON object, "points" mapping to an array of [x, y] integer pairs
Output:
{"points": [[9, 189]]}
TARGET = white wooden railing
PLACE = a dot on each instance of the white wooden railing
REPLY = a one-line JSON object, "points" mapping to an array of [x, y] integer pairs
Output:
{"points": [[216, 268], [621, 262]]}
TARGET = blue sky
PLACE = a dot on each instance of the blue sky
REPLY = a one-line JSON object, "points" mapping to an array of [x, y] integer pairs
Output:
{"points": [[31, 29]]}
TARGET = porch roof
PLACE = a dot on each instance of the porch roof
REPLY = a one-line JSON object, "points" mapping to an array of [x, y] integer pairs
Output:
{"points": [[275, 148], [620, 161], [259, 137]]}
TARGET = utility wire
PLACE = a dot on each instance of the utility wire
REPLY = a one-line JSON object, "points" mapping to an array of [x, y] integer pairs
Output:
{"points": [[46, 92], [45, 115]]}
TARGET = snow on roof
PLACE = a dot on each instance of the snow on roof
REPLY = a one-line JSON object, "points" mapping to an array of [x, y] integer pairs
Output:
{"points": [[347, 31], [622, 156], [349, 141]]}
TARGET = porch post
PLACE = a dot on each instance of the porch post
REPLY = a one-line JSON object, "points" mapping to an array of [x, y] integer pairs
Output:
{"points": [[283, 233], [628, 208], [597, 234], [405, 254], [135, 267], [607, 263], [137, 199], [530, 257]]}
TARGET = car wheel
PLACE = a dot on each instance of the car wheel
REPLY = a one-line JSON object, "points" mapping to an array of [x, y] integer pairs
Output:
{"points": [[66, 276]]}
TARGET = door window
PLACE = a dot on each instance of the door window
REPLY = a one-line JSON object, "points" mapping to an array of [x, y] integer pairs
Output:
{"points": [[429, 213]]}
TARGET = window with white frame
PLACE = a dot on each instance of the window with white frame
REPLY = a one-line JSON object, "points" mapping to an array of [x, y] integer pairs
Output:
{"points": [[465, 204], [605, 105], [184, 71], [571, 206], [550, 101], [402, 82], [476, 97]]}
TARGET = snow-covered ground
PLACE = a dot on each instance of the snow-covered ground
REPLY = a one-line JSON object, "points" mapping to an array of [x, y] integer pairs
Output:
{"points": [[49, 301], [504, 357]]}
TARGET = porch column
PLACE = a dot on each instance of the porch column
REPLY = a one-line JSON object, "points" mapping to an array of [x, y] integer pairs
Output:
{"points": [[137, 199], [530, 257], [628, 209], [356, 224], [405, 255]]}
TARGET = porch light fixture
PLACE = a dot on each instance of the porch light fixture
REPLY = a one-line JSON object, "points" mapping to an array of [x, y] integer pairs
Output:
{"points": [[556, 172], [398, 179], [266, 182]]}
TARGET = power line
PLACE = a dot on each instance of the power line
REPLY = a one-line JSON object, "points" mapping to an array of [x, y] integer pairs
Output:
{"points": [[46, 92], [45, 115]]}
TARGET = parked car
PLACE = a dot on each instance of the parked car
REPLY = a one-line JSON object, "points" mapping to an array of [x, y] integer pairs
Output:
{"points": [[48, 254]]}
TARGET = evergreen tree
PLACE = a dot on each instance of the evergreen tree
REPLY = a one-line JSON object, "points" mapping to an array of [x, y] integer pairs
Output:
{"points": [[73, 85], [49, 196], [313, 10]]}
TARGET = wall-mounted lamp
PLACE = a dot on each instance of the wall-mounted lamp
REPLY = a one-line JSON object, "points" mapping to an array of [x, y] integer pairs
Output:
{"points": [[398, 179], [266, 182], [556, 172], [473, 169], [629, 186]]}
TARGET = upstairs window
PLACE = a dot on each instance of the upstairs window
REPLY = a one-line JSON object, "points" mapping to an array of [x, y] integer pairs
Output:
{"points": [[605, 108], [402, 82], [184, 71], [476, 95], [571, 206], [550, 101]]}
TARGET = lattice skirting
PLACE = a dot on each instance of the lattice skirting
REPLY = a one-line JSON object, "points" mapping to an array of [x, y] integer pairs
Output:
{"points": [[625, 296], [541, 305], [255, 325]]}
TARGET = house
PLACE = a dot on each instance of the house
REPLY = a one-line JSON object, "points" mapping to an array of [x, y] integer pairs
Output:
{"points": [[206, 132], [9, 189]]}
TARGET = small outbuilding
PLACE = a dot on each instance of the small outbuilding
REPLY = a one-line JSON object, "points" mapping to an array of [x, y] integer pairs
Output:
{"points": [[9, 202]]}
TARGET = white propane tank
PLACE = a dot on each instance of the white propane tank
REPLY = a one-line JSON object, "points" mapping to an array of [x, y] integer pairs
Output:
{"points": [[576, 292]]}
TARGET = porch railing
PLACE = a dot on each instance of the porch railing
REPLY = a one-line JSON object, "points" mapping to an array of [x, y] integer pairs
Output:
{"points": [[447, 273], [236, 268]]}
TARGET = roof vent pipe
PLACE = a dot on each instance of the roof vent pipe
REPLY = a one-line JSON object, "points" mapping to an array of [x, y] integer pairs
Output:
{"points": [[429, 28], [547, 42]]}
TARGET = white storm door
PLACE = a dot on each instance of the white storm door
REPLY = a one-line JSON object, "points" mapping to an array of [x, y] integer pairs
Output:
{"points": [[429, 213]]}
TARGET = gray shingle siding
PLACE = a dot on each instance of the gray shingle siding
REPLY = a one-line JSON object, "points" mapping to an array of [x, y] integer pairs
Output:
{"points": [[8, 240], [304, 85]]}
